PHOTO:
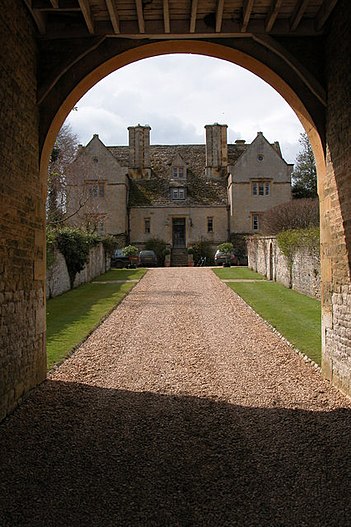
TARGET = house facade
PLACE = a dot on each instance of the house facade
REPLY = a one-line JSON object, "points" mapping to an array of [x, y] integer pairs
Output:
{"points": [[181, 194]]}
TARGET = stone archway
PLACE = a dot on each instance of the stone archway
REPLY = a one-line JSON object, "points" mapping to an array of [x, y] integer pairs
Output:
{"points": [[312, 72]]}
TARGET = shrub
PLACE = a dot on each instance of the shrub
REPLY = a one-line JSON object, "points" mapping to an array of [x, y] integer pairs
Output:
{"points": [[225, 247], [240, 245], [74, 244], [290, 240], [130, 250], [110, 244], [203, 249], [159, 247]]}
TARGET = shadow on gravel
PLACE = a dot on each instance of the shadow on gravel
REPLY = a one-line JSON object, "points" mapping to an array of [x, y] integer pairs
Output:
{"points": [[74, 455]]}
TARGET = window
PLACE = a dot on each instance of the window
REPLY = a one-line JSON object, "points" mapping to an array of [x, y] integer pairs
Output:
{"points": [[147, 225], [261, 188], [255, 222], [96, 190], [209, 224], [178, 193], [100, 227], [178, 172]]}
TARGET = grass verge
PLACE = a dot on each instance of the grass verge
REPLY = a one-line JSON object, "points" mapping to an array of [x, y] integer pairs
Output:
{"points": [[71, 317], [237, 273], [297, 317]]}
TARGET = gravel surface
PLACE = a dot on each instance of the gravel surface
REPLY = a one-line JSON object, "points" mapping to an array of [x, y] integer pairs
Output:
{"points": [[182, 409]]}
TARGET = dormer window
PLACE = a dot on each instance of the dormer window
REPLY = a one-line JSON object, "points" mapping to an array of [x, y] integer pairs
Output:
{"points": [[178, 193], [178, 172]]}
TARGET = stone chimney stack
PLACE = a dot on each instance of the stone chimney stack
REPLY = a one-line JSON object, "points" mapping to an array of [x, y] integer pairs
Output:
{"points": [[139, 151], [216, 150]]}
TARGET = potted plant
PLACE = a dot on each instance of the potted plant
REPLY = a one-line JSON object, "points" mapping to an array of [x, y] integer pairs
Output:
{"points": [[133, 254], [190, 256], [226, 248]]}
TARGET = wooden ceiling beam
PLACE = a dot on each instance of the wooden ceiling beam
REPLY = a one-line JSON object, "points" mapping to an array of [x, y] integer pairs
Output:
{"points": [[85, 8], [193, 16], [324, 13], [38, 17], [140, 14], [55, 3], [112, 11], [247, 10], [272, 15], [219, 15], [166, 19], [298, 13]]}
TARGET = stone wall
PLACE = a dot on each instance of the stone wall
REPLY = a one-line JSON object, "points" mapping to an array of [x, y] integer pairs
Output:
{"points": [[57, 278], [265, 257], [22, 212], [335, 196]]}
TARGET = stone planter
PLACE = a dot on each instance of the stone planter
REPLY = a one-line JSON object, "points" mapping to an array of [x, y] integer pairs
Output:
{"points": [[168, 260], [190, 260]]}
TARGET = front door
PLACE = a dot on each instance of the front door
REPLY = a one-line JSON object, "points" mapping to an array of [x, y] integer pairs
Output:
{"points": [[179, 233]]}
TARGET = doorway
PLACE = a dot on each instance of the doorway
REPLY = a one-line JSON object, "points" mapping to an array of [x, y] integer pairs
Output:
{"points": [[178, 233]]}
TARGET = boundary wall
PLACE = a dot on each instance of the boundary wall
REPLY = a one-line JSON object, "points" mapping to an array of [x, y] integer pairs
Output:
{"points": [[302, 274], [57, 278]]}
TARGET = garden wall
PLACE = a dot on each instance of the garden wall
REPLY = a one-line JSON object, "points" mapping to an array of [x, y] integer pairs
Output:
{"points": [[57, 278], [265, 257]]}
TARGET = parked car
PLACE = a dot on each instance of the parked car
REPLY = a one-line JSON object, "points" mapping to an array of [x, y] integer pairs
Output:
{"points": [[119, 260], [147, 259], [222, 258]]}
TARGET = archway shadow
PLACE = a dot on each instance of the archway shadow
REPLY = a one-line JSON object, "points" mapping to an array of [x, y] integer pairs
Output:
{"points": [[73, 454]]}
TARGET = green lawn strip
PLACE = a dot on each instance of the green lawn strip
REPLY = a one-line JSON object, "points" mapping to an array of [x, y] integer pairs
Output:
{"points": [[297, 317], [71, 317], [237, 273], [121, 274]]}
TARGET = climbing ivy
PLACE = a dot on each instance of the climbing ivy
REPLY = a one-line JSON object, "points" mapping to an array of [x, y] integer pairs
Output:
{"points": [[74, 244], [291, 240]]}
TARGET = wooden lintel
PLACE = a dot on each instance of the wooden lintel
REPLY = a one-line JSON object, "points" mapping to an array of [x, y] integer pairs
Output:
{"points": [[193, 16], [324, 13], [219, 15], [140, 14], [298, 14], [166, 19], [247, 9], [112, 10], [272, 15], [85, 8]]}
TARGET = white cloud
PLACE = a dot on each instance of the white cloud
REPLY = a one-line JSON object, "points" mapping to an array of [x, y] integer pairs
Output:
{"points": [[177, 95]]}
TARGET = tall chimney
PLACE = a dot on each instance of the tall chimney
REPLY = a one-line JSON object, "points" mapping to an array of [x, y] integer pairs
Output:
{"points": [[139, 151], [216, 150]]}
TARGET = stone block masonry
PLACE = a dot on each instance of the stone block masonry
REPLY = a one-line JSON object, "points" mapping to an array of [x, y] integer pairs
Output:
{"points": [[265, 257], [22, 213], [57, 278]]}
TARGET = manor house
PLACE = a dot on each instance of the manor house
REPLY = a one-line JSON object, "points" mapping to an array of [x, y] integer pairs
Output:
{"points": [[179, 193]]}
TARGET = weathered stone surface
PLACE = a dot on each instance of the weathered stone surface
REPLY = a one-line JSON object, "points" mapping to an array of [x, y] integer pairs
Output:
{"points": [[22, 212], [265, 257]]}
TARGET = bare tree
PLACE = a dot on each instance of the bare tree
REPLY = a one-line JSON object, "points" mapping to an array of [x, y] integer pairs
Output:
{"points": [[62, 156], [68, 193], [295, 214]]}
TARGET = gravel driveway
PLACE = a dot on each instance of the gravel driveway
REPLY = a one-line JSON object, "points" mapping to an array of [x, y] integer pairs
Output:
{"points": [[183, 409]]}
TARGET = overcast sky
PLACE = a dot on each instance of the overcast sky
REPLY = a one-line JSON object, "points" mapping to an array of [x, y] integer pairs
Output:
{"points": [[177, 95]]}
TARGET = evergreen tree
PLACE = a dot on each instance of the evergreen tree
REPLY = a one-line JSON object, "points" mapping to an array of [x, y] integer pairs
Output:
{"points": [[304, 177]]}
